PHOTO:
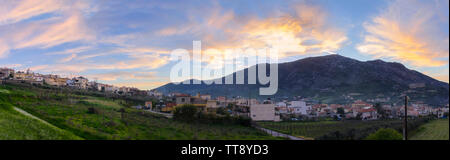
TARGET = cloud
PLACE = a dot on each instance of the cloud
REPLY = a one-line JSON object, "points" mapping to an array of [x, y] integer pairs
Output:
{"points": [[126, 75], [64, 23], [142, 85], [304, 31], [4, 49], [69, 58], [407, 31], [70, 29], [15, 11], [135, 61]]}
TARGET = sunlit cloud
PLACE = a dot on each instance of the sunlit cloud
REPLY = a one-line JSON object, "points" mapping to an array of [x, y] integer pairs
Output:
{"points": [[15, 11], [408, 32], [64, 24], [304, 32]]}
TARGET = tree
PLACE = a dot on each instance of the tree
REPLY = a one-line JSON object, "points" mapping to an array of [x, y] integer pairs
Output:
{"points": [[380, 110], [341, 111], [222, 111], [385, 134]]}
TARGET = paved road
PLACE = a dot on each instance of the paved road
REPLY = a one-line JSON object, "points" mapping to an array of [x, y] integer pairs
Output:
{"points": [[168, 115], [278, 134]]}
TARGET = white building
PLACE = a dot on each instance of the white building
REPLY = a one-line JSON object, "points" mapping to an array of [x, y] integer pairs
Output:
{"points": [[300, 107], [263, 112]]}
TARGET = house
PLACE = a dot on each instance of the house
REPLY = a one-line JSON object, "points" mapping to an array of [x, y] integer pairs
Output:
{"points": [[221, 99], [203, 96], [169, 107], [79, 82], [299, 107], [263, 112], [181, 99], [154, 93], [369, 114], [212, 104], [148, 105], [6, 73], [281, 104]]}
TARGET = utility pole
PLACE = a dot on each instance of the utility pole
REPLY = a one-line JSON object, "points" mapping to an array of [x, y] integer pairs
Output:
{"points": [[405, 120]]}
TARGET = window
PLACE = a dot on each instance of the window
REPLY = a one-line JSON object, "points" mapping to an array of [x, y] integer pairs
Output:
{"points": [[182, 100]]}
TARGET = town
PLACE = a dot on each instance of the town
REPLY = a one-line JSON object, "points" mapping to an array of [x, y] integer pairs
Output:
{"points": [[300, 109]]}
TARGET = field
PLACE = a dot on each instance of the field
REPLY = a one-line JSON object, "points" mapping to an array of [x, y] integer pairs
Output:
{"points": [[96, 117], [336, 130], [435, 130]]}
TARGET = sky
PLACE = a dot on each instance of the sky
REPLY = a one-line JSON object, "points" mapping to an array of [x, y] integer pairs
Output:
{"points": [[129, 42]]}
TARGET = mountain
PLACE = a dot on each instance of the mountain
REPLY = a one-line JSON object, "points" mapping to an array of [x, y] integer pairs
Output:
{"points": [[335, 79]]}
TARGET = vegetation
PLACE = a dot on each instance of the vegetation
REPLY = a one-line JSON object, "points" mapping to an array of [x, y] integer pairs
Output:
{"points": [[435, 130], [92, 115], [189, 113], [385, 134], [17, 126], [339, 130]]}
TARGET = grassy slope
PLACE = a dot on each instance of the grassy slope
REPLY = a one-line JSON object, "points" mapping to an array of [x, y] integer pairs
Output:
{"points": [[16, 126], [69, 112], [435, 130]]}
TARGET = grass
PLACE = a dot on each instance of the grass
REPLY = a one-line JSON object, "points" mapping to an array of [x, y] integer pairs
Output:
{"points": [[69, 111], [435, 130], [337, 129], [17, 126]]}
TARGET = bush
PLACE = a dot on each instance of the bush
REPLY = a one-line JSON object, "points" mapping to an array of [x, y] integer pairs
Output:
{"points": [[385, 134], [92, 110], [190, 113], [185, 113]]}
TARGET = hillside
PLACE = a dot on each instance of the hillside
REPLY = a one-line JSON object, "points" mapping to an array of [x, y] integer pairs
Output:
{"points": [[110, 118], [336, 79], [17, 126]]}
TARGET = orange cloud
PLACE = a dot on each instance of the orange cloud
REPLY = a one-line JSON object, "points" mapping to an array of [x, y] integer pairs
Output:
{"points": [[66, 26], [69, 30], [15, 11], [406, 38], [305, 31]]}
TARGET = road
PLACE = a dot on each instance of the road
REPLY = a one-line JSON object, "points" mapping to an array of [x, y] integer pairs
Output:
{"points": [[278, 134], [168, 115]]}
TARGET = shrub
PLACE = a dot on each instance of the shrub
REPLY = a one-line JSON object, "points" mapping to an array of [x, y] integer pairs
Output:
{"points": [[385, 134], [92, 110], [185, 113]]}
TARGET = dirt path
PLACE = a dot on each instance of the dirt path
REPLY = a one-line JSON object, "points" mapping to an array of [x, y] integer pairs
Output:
{"points": [[32, 116]]}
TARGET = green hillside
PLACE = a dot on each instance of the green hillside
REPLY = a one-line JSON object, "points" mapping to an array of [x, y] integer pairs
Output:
{"points": [[91, 115], [17, 126]]}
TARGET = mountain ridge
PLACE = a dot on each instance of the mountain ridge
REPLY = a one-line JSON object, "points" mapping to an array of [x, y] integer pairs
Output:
{"points": [[331, 79]]}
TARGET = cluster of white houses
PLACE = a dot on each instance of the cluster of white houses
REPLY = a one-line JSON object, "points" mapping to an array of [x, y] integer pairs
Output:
{"points": [[75, 82], [259, 111]]}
